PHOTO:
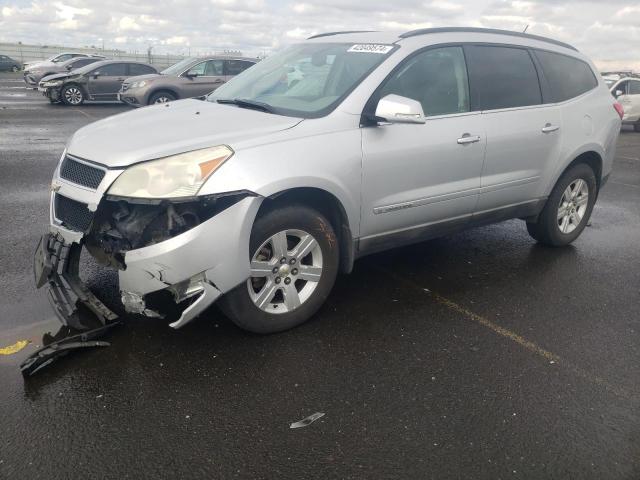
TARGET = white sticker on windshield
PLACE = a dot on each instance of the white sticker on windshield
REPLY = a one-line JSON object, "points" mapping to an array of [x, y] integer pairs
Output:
{"points": [[370, 48]]}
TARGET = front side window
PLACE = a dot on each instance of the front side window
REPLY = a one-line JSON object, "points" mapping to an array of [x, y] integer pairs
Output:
{"points": [[213, 68], [177, 68], [137, 69], [63, 58], [568, 77], [305, 80], [622, 87], [436, 78], [198, 70], [502, 77]]}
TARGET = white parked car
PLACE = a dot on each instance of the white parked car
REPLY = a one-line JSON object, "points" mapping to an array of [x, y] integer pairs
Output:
{"points": [[627, 91]]}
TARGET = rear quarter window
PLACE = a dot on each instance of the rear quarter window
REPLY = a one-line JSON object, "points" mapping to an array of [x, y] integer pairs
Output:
{"points": [[567, 77], [502, 77]]}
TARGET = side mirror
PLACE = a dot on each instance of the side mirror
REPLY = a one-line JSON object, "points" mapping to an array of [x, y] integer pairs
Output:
{"points": [[618, 93], [68, 67], [397, 109], [191, 74], [96, 74]]}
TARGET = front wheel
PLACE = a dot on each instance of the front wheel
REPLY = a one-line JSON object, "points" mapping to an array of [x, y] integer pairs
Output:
{"points": [[161, 97], [72, 95], [293, 266], [568, 208]]}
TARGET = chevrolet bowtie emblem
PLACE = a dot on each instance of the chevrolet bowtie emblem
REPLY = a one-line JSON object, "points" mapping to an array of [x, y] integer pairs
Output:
{"points": [[55, 187]]}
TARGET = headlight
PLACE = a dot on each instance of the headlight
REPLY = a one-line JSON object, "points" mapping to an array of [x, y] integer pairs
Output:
{"points": [[139, 84], [52, 83], [179, 175]]}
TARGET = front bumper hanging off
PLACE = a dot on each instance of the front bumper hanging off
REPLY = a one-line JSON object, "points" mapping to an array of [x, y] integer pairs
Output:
{"points": [[56, 265]]}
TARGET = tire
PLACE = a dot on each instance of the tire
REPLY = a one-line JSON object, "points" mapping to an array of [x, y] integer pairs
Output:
{"points": [[161, 97], [279, 311], [553, 230], [72, 95], [15, 69]]}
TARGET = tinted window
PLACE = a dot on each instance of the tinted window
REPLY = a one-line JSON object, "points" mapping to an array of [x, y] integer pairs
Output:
{"points": [[567, 77], [502, 77], [136, 69], [82, 62], [634, 88], [198, 69], [113, 70], [234, 67], [213, 68], [436, 78]]}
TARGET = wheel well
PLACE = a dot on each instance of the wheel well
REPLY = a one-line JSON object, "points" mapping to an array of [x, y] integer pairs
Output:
{"points": [[167, 90], [329, 206], [591, 158]]}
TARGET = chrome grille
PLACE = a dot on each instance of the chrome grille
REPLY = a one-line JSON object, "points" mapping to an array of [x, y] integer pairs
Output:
{"points": [[81, 173], [72, 214]]}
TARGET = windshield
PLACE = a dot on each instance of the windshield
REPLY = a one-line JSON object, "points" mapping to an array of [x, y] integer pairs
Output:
{"points": [[306, 80], [178, 68]]}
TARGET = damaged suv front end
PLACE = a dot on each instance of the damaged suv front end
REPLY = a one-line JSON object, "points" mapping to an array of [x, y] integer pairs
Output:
{"points": [[149, 222]]}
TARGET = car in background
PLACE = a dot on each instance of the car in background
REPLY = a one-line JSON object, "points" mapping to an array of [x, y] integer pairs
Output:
{"points": [[37, 74], [8, 64], [627, 91], [191, 77], [97, 81], [52, 62]]}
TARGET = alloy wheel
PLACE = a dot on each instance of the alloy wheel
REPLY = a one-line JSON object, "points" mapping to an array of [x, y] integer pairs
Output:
{"points": [[285, 271], [73, 95], [573, 206], [162, 99]]}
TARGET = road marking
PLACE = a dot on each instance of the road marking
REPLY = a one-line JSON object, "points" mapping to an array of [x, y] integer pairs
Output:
{"points": [[518, 339], [90, 117], [15, 348], [625, 184], [629, 158]]}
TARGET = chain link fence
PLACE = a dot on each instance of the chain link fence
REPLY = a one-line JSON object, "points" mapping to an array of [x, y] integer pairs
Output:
{"points": [[30, 53]]}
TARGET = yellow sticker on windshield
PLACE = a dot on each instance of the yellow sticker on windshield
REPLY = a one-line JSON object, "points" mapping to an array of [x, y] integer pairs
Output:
{"points": [[370, 48]]}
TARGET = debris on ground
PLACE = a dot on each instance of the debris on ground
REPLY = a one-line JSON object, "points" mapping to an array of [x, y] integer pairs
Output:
{"points": [[15, 348], [307, 421]]}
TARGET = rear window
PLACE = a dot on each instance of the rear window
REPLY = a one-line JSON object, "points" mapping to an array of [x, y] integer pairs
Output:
{"points": [[568, 77], [137, 69], [502, 77]]}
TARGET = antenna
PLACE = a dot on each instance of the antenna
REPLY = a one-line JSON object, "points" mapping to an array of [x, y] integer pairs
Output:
{"points": [[525, 29]]}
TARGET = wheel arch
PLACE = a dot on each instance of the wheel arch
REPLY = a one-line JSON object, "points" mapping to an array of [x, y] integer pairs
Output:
{"points": [[162, 89], [327, 204], [591, 158]]}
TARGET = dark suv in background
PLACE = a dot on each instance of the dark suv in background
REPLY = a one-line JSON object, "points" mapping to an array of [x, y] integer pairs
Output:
{"points": [[8, 64], [97, 81], [188, 78]]}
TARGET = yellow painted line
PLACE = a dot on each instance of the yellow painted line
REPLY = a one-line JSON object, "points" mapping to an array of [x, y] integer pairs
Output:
{"points": [[519, 339], [15, 348]]}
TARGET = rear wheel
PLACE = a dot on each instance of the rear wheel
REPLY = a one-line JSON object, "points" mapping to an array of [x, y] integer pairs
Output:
{"points": [[72, 95], [15, 69], [161, 97], [294, 263], [568, 208]]}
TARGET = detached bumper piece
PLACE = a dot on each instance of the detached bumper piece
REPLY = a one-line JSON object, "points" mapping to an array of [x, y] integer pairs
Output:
{"points": [[59, 348], [56, 266]]}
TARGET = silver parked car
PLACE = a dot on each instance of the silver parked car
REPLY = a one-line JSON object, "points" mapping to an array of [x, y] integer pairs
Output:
{"points": [[336, 147], [34, 71], [192, 77], [38, 74]]}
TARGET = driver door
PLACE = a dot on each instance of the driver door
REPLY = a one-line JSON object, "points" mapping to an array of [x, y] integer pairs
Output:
{"points": [[203, 78], [105, 81], [422, 180]]}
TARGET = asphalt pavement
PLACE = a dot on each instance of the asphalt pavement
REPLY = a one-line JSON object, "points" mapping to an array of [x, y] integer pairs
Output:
{"points": [[478, 355]]}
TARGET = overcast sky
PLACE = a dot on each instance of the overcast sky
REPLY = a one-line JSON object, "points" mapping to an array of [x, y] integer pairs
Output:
{"points": [[609, 32]]}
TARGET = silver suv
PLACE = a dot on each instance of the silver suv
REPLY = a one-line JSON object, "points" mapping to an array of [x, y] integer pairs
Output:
{"points": [[336, 147], [192, 77]]}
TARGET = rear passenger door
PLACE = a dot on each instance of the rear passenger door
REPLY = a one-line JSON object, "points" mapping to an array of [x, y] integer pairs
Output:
{"points": [[523, 134]]}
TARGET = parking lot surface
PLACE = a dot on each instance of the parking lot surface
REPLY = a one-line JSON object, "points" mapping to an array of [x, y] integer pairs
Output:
{"points": [[479, 355]]}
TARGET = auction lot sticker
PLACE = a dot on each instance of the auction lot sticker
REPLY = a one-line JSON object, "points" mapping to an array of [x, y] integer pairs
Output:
{"points": [[370, 48]]}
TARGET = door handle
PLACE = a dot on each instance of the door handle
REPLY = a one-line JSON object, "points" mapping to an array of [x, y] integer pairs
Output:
{"points": [[468, 138], [548, 128]]}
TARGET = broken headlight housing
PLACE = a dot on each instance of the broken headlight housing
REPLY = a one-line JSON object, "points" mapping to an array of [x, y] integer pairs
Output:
{"points": [[177, 176]]}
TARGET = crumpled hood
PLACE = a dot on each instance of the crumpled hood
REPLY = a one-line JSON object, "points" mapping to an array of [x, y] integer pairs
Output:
{"points": [[161, 130], [55, 76]]}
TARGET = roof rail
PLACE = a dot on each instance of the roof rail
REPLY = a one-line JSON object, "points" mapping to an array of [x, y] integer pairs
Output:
{"points": [[329, 34], [425, 31]]}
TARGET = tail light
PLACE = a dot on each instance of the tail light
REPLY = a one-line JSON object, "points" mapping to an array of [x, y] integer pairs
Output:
{"points": [[619, 109]]}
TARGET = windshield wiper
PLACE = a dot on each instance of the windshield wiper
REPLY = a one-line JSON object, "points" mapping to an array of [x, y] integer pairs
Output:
{"points": [[243, 103]]}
